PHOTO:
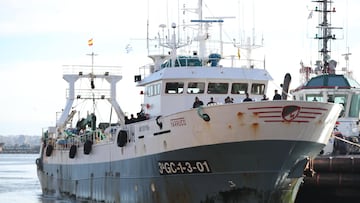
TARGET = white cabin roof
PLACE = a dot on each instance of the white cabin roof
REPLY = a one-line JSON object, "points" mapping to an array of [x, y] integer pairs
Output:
{"points": [[208, 73]]}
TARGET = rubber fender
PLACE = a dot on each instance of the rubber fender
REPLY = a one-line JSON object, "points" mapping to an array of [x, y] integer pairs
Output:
{"points": [[87, 146], [39, 163], [202, 115], [122, 138], [206, 117], [49, 150], [72, 151]]}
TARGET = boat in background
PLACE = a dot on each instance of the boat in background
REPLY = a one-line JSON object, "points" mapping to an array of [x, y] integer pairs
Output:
{"points": [[322, 83], [333, 175], [177, 150]]}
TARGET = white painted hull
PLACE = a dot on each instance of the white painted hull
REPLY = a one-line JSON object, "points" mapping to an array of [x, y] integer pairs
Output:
{"points": [[252, 146]]}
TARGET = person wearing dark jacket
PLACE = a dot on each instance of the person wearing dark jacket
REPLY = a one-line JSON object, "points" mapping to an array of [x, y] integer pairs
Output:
{"points": [[247, 98], [197, 102], [277, 96]]}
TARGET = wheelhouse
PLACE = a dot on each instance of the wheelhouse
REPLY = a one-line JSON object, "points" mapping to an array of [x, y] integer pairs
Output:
{"points": [[338, 89], [171, 89]]}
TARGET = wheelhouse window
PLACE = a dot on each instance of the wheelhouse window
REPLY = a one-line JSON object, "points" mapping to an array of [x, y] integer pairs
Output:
{"points": [[196, 88], [314, 97], [340, 99], [257, 88], [218, 88], [355, 106], [239, 88], [157, 89], [174, 87], [150, 91], [153, 90]]}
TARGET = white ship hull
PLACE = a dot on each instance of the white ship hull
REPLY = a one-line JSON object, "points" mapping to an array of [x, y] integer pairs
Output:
{"points": [[246, 152]]}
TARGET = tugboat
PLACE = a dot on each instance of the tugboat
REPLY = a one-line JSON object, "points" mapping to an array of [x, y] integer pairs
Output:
{"points": [[178, 150], [333, 176]]}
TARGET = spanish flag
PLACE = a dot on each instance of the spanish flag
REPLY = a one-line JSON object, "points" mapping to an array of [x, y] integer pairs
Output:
{"points": [[90, 42]]}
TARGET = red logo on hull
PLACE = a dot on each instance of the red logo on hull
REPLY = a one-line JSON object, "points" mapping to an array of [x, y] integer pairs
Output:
{"points": [[289, 113]]}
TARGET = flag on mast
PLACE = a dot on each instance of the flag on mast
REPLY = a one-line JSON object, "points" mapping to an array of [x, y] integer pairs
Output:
{"points": [[310, 15], [90, 42]]}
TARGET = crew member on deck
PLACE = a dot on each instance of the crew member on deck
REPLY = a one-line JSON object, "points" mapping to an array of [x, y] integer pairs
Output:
{"points": [[264, 98], [247, 98], [211, 101], [197, 102], [277, 96], [330, 99], [228, 100]]}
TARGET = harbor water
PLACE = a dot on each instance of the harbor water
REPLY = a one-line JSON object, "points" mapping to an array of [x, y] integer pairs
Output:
{"points": [[19, 182]]}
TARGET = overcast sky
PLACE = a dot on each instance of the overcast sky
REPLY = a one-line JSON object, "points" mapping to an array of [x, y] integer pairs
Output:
{"points": [[37, 37]]}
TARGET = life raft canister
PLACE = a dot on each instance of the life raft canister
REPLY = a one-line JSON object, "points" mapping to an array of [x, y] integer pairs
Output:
{"points": [[72, 151], [122, 138], [87, 146]]}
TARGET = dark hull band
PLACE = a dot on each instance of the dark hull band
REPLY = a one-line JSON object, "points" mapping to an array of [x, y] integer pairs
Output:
{"points": [[233, 172]]}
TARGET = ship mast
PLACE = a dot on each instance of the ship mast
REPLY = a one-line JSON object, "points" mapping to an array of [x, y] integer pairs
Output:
{"points": [[325, 35], [324, 65], [346, 70]]}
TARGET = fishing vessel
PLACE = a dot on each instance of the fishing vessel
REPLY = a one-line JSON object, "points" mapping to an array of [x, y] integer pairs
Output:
{"points": [[178, 150], [325, 83], [333, 175]]}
